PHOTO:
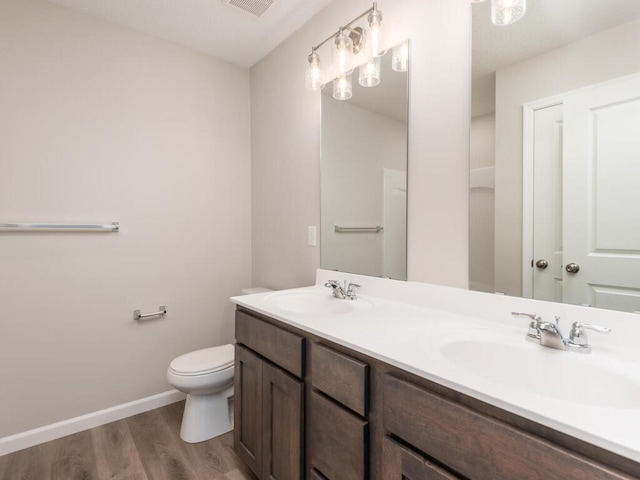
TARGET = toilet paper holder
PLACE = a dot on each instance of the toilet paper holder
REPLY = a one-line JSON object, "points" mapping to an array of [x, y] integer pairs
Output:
{"points": [[138, 316]]}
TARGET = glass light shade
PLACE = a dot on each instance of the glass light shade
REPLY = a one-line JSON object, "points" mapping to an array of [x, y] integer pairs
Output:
{"points": [[342, 88], [370, 73], [375, 33], [400, 57], [313, 80], [342, 54], [506, 12]]}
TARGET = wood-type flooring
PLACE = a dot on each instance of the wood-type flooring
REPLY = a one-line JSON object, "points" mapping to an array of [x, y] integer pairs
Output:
{"points": [[142, 447]]}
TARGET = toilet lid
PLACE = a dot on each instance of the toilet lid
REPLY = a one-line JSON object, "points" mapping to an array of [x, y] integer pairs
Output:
{"points": [[207, 360]]}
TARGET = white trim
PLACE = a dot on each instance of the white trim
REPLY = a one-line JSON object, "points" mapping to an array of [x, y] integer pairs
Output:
{"points": [[528, 152], [53, 431]]}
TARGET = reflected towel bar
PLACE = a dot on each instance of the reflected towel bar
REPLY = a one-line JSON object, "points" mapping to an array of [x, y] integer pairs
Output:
{"points": [[375, 229], [91, 227], [138, 316]]}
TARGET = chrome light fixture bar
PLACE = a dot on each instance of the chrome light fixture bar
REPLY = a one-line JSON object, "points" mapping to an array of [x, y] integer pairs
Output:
{"points": [[348, 40]]}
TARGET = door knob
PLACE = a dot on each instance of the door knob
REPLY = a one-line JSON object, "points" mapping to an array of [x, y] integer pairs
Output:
{"points": [[542, 264], [572, 268]]}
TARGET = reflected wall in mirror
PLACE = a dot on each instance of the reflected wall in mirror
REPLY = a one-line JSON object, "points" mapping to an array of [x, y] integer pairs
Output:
{"points": [[555, 153], [364, 177]]}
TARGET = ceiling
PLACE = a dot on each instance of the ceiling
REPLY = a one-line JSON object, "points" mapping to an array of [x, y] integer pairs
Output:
{"points": [[208, 26], [548, 24]]}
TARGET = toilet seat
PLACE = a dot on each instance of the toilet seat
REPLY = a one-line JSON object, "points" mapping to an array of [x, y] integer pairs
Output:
{"points": [[205, 361]]}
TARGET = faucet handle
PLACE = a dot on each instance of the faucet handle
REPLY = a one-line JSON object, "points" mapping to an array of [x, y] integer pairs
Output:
{"points": [[533, 335], [351, 290], [533, 316], [578, 336]]}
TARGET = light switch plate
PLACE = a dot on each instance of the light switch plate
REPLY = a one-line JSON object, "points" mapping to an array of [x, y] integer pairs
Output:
{"points": [[311, 236]]}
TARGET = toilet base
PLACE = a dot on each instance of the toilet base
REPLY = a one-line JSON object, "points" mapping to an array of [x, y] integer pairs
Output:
{"points": [[207, 416]]}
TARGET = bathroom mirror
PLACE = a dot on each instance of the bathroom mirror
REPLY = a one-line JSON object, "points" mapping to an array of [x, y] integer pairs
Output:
{"points": [[364, 176], [555, 153]]}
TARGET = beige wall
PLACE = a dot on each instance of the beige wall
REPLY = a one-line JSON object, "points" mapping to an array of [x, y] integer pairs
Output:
{"points": [[98, 124], [577, 65], [285, 130]]}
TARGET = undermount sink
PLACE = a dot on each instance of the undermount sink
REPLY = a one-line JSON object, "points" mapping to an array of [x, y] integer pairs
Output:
{"points": [[314, 303], [551, 373]]}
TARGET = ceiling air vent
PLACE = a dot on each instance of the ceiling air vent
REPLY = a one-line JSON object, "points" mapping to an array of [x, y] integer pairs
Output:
{"points": [[254, 7]]}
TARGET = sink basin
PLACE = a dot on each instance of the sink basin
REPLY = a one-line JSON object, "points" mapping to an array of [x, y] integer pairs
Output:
{"points": [[314, 303], [544, 371]]}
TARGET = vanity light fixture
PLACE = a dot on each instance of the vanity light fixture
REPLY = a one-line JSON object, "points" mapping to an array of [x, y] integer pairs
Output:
{"points": [[370, 73], [347, 42], [342, 87], [506, 12], [375, 19], [313, 80], [400, 57]]}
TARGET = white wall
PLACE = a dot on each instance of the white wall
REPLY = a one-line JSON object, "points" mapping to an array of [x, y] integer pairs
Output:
{"points": [[357, 145], [100, 124], [285, 130], [607, 55]]}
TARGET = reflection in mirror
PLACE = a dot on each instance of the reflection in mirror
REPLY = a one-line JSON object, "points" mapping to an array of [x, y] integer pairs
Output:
{"points": [[364, 177], [555, 153]]}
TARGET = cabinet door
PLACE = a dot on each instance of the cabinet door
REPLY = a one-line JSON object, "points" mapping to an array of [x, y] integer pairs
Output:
{"points": [[282, 420], [400, 463], [248, 408]]}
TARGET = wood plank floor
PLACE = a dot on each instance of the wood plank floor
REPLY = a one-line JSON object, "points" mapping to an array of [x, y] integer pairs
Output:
{"points": [[143, 447]]}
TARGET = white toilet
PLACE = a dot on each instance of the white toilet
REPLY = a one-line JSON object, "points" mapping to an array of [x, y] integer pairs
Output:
{"points": [[206, 376]]}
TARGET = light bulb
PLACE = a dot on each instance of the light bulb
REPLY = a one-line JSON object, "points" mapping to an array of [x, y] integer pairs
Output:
{"points": [[506, 12], [342, 53], [400, 57], [313, 80], [375, 19], [370, 73], [342, 88]]}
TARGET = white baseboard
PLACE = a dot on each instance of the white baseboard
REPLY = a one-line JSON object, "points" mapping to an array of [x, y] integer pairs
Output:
{"points": [[47, 433]]}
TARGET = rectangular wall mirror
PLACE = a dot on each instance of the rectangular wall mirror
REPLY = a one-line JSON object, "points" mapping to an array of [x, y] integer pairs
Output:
{"points": [[364, 174], [555, 153]]}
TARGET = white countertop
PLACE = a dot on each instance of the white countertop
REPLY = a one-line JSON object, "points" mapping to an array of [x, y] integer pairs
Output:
{"points": [[469, 342]]}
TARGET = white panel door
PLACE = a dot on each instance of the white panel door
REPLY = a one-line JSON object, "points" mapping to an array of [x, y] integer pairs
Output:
{"points": [[601, 227], [395, 224], [547, 207]]}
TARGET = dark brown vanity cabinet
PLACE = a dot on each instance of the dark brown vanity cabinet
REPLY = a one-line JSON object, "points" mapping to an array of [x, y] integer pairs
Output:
{"points": [[473, 445], [269, 401], [308, 408]]}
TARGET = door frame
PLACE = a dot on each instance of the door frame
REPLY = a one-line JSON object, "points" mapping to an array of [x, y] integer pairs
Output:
{"points": [[528, 129]]}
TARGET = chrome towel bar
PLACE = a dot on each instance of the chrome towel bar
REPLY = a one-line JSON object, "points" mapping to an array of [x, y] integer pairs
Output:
{"points": [[91, 227], [138, 316], [375, 229]]}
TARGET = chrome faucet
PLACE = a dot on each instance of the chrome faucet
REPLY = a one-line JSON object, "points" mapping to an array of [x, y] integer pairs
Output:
{"points": [[345, 291], [548, 334]]}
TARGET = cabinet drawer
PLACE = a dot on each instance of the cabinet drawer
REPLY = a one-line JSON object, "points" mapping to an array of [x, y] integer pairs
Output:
{"points": [[400, 463], [337, 441], [279, 346], [477, 446], [343, 378]]}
